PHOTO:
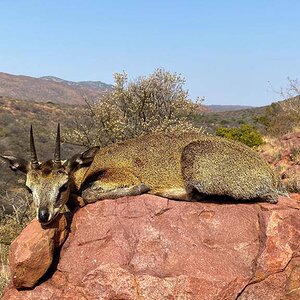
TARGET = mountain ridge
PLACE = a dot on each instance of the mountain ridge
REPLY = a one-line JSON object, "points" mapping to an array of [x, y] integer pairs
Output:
{"points": [[225, 107], [91, 83], [50, 89]]}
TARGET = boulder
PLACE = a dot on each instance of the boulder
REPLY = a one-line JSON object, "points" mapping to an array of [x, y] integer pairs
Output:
{"points": [[31, 253], [147, 247]]}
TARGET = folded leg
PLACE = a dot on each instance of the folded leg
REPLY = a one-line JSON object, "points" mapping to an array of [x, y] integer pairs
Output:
{"points": [[113, 183]]}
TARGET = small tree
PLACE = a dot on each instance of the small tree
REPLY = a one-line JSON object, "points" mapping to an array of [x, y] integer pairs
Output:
{"points": [[157, 103], [290, 92]]}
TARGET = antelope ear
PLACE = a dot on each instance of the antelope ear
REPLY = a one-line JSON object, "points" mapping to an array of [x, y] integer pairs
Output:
{"points": [[16, 163], [82, 159], [88, 155]]}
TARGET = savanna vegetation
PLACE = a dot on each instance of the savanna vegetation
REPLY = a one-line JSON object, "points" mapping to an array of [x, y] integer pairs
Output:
{"points": [[281, 117]]}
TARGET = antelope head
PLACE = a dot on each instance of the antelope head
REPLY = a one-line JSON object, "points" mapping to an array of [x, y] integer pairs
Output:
{"points": [[49, 182]]}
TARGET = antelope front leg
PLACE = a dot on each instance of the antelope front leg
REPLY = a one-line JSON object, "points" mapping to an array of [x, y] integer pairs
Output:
{"points": [[114, 183]]}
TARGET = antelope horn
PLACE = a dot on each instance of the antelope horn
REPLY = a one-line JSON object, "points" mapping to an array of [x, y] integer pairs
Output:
{"points": [[57, 161], [33, 157]]}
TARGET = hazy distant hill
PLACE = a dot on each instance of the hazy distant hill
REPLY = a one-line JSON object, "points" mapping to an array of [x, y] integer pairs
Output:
{"points": [[94, 84], [275, 119], [50, 89], [217, 108]]}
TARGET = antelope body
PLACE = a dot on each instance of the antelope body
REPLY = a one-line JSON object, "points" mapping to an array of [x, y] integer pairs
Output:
{"points": [[177, 166]]}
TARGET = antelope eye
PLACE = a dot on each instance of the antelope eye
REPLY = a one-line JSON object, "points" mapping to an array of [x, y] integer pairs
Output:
{"points": [[28, 189], [64, 187]]}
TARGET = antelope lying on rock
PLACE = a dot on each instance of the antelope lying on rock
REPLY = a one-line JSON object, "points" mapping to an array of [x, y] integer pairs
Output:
{"points": [[183, 166]]}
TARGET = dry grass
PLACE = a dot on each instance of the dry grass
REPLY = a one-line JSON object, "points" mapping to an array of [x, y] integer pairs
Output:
{"points": [[4, 271], [285, 157], [271, 149], [10, 227]]}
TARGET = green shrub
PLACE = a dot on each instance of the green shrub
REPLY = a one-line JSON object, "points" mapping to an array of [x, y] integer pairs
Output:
{"points": [[246, 134]]}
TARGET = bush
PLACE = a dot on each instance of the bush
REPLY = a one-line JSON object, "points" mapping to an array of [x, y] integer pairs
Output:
{"points": [[157, 103], [246, 134]]}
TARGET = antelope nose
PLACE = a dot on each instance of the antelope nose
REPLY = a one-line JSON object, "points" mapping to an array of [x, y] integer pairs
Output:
{"points": [[43, 215]]}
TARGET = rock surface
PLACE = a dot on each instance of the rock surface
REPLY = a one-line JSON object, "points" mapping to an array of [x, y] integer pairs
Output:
{"points": [[148, 247], [31, 253]]}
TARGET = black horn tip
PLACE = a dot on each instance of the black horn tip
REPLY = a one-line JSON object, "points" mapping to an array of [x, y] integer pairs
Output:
{"points": [[58, 132], [57, 158], [33, 155]]}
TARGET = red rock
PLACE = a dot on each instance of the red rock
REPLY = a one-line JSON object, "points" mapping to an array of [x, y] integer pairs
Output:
{"points": [[31, 253], [148, 247], [295, 196], [276, 251], [291, 136], [272, 287]]}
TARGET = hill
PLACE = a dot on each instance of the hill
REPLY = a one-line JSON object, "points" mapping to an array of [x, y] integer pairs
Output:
{"points": [[50, 89], [276, 119], [94, 84], [219, 108]]}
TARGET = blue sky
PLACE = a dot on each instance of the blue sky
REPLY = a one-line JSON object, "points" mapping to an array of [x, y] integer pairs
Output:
{"points": [[226, 50]]}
